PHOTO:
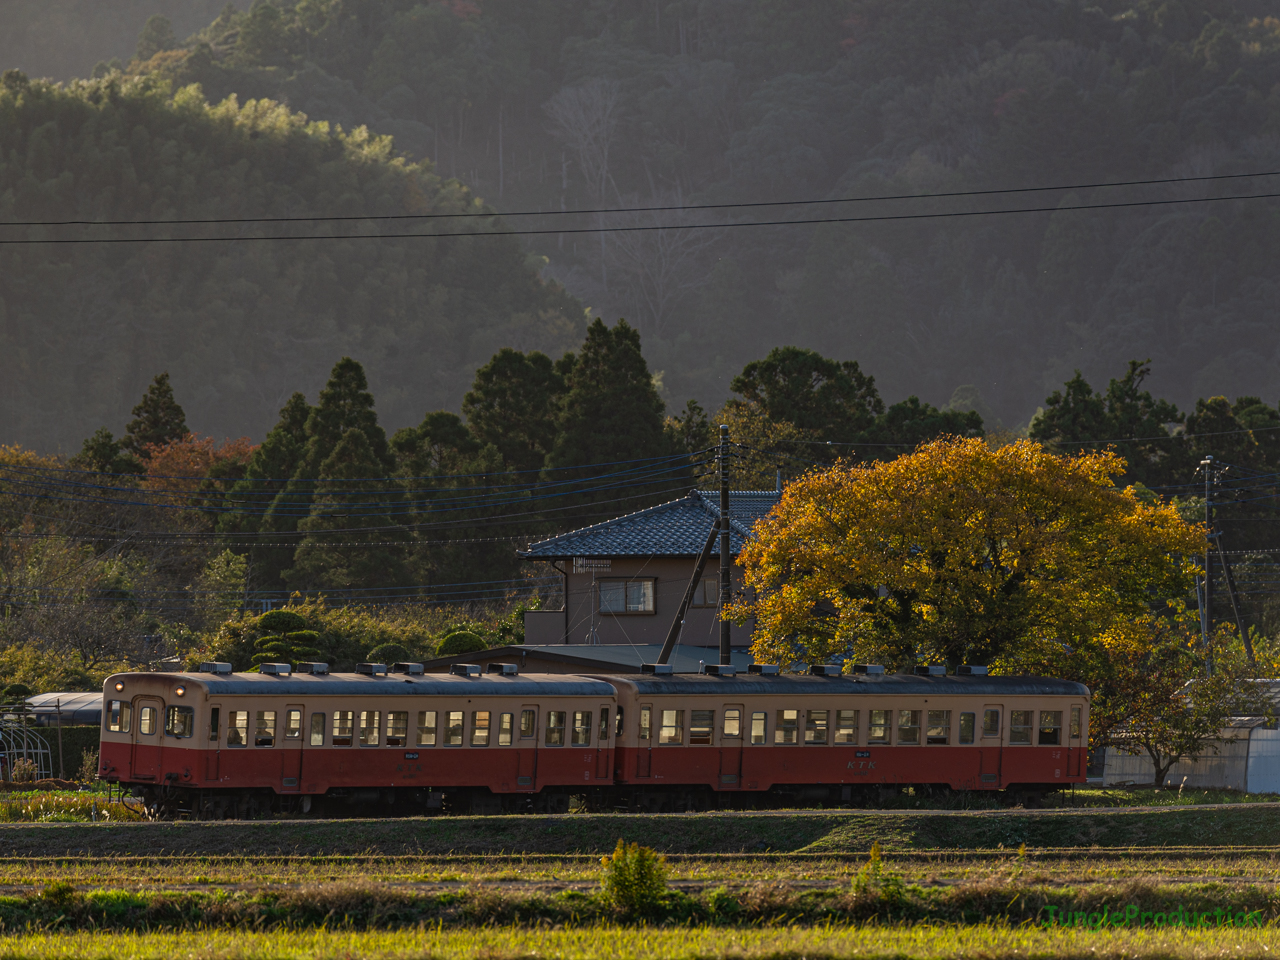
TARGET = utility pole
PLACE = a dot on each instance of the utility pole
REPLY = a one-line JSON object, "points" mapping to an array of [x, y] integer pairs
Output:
{"points": [[726, 563], [1212, 474]]}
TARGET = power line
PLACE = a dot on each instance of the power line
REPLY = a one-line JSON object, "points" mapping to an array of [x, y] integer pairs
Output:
{"points": [[480, 214], [555, 231]]}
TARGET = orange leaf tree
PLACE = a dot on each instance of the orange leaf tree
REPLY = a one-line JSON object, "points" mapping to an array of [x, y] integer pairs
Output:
{"points": [[959, 553]]}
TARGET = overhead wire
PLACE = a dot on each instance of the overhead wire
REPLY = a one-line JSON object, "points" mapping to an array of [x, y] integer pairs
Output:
{"points": [[663, 208], [638, 228]]}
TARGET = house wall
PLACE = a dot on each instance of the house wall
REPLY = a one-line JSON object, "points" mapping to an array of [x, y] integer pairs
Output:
{"points": [[671, 576], [1229, 769]]}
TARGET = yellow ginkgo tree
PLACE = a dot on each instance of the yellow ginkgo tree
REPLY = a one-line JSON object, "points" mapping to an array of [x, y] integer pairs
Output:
{"points": [[960, 553]]}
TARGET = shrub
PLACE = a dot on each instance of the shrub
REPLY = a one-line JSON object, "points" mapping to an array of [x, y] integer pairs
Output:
{"points": [[461, 641], [24, 770], [88, 771], [875, 881], [635, 879], [281, 621]]}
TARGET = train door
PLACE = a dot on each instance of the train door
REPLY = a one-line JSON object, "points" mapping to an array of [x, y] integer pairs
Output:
{"points": [[731, 747], [147, 741], [1076, 751], [291, 770], [213, 754], [989, 750], [527, 748], [604, 762], [644, 742]]}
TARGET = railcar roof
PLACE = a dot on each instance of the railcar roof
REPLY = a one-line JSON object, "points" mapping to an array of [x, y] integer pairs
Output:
{"points": [[873, 685], [391, 685]]}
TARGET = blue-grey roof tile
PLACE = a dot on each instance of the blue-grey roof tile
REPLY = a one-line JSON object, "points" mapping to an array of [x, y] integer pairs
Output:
{"points": [[678, 528]]}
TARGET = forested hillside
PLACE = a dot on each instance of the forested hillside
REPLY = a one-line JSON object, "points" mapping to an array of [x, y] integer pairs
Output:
{"points": [[551, 104], [240, 324]]}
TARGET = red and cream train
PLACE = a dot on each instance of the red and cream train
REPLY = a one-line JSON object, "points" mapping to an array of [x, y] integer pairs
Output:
{"points": [[222, 744]]}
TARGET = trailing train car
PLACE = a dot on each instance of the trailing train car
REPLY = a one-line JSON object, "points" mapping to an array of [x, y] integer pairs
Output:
{"points": [[220, 744], [845, 738]]}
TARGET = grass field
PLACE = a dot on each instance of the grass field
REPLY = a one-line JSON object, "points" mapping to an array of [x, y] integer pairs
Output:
{"points": [[781, 884], [992, 942]]}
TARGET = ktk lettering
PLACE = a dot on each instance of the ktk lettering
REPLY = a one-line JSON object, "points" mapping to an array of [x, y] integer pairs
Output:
{"points": [[861, 765]]}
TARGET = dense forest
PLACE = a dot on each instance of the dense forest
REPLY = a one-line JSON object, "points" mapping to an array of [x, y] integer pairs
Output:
{"points": [[538, 105]]}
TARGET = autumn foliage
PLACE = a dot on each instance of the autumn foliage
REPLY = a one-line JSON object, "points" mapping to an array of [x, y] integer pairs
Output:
{"points": [[958, 553]]}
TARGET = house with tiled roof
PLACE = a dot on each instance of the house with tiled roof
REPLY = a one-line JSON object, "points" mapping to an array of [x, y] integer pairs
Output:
{"points": [[624, 578]]}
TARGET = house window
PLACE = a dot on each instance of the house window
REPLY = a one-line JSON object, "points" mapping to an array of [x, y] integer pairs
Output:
{"points": [[626, 596], [706, 593]]}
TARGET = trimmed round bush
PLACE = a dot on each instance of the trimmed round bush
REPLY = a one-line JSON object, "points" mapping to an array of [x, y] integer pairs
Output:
{"points": [[461, 641], [281, 621]]}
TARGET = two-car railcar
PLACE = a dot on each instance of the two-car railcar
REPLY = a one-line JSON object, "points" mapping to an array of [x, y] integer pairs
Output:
{"points": [[245, 744]]}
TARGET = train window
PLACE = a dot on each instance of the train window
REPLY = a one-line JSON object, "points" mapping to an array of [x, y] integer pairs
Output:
{"points": [[555, 728], [397, 728], [815, 726], [293, 724], [846, 726], [213, 725], [939, 730], [1075, 723], [528, 724], [147, 721], [344, 725], [238, 728], [317, 729], [604, 725], [733, 723], [119, 716], [479, 728], [967, 724], [701, 725], [878, 727], [453, 728], [505, 724], [908, 726], [179, 721], [370, 724], [990, 723], [426, 728], [1020, 726], [582, 728], [672, 729], [646, 723], [264, 730], [617, 724], [758, 724], [788, 726], [1050, 728]]}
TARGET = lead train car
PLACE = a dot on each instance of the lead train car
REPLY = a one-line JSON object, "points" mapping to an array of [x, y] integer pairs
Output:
{"points": [[222, 745]]}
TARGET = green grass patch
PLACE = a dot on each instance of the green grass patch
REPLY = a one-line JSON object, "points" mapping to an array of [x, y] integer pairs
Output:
{"points": [[591, 942]]}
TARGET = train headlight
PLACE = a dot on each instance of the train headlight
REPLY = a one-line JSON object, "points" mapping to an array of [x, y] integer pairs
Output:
{"points": [[119, 685], [179, 690]]}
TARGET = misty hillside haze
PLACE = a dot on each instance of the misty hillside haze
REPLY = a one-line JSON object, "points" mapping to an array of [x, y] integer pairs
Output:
{"points": [[550, 105]]}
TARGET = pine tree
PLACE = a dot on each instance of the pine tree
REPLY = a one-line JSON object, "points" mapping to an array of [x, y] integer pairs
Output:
{"points": [[345, 404], [513, 405], [611, 412], [157, 419], [268, 473], [354, 530]]}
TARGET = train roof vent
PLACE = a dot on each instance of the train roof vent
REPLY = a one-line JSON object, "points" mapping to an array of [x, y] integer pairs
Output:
{"points": [[719, 669], [931, 670], [465, 669], [825, 669], [657, 668], [372, 669], [215, 668], [506, 669], [275, 669], [413, 669], [971, 670], [873, 669], [763, 669], [319, 669]]}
